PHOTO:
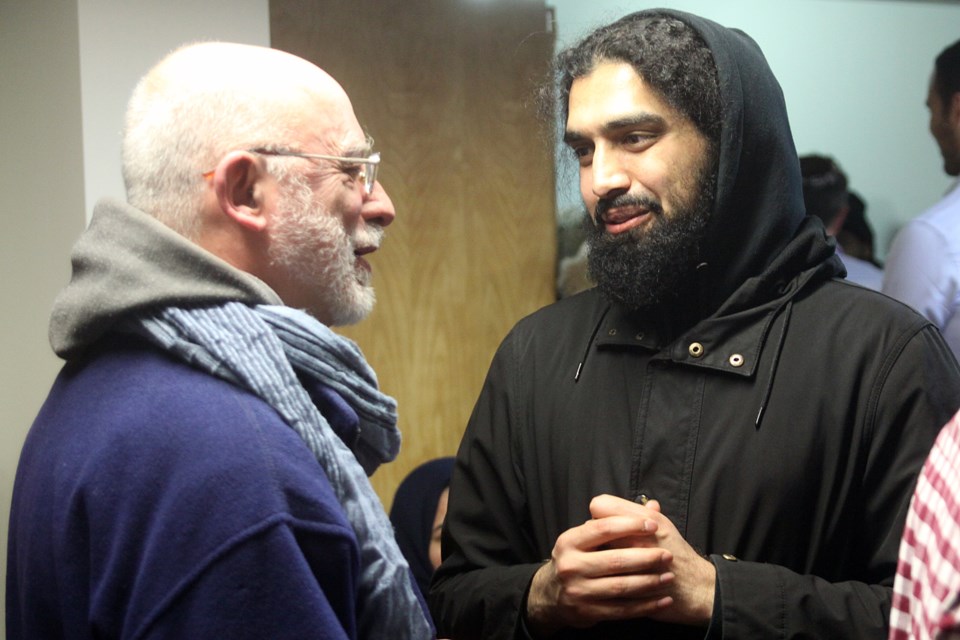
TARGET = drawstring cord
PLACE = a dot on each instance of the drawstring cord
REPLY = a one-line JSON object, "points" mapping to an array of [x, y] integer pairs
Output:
{"points": [[776, 359], [586, 351]]}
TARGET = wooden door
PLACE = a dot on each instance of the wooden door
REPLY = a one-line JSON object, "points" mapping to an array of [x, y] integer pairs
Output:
{"points": [[446, 88]]}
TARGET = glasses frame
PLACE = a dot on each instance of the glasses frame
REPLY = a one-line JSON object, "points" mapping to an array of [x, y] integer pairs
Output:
{"points": [[369, 166]]}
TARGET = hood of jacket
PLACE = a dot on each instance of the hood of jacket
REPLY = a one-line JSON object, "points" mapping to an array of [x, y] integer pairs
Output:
{"points": [[758, 237], [127, 262], [761, 251]]}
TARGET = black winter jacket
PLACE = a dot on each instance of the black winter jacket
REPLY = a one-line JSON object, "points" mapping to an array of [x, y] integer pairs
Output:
{"points": [[810, 500]]}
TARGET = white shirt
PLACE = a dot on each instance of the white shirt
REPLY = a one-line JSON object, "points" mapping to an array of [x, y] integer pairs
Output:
{"points": [[923, 266]]}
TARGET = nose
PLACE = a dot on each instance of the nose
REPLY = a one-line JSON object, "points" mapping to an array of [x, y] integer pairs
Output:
{"points": [[608, 175], [377, 207]]}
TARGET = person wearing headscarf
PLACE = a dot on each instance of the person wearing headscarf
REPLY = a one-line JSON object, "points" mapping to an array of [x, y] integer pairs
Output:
{"points": [[417, 514]]}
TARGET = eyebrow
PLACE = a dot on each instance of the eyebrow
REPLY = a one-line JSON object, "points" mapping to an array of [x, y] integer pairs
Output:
{"points": [[645, 120], [359, 150]]}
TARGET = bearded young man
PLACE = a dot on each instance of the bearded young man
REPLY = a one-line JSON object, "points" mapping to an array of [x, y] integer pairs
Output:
{"points": [[720, 440], [923, 265], [199, 469]]}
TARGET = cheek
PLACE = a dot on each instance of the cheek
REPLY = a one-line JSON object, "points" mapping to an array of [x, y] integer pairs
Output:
{"points": [[434, 549], [340, 203], [434, 552], [586, 191], [939, 127]]}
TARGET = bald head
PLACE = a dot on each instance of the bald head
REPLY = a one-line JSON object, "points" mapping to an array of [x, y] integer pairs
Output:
{"points": [[205, 100], [256, 74]]}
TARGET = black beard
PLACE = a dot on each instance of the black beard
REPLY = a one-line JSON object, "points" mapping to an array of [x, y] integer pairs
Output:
{"points": [[654, 264]]}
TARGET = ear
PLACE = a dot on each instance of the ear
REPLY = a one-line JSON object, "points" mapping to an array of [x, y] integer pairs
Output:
{"points": [[238, 182], [951, 109]]}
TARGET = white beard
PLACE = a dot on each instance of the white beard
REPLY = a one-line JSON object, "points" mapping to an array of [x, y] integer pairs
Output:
{"points": [[313, 246]]}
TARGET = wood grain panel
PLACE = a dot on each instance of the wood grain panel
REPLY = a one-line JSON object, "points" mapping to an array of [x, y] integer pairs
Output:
{"points": [[445, 88]]}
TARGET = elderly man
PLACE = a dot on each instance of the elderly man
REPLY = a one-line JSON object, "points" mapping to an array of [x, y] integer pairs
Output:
{"points": [[199, 469], [923, 266], [721, 439]]}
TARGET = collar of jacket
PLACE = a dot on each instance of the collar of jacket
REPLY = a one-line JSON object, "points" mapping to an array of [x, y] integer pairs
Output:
{"points": [[729, 343], [732, 338]]}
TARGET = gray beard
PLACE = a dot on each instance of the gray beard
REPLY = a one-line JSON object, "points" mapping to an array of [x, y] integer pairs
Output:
{"points": [[653, 265]]}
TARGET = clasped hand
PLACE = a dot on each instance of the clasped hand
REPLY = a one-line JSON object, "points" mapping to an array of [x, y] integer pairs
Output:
{"points": [[627, 561]]}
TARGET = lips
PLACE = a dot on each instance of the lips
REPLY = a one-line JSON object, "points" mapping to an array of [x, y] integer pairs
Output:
{"points": [[360, 262], [626, 212], [620, 219], [366, 242], [617, 215], [364, 269]]}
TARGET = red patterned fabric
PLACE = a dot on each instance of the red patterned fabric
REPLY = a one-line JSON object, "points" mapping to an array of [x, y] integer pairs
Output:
{"points": [[926, 594]]}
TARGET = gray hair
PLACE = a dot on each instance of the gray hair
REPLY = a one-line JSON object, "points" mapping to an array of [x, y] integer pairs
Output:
{"points": [[180, 122]]}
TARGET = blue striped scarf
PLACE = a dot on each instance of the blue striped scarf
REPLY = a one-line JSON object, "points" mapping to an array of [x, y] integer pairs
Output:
{"points": [[260, 349]]}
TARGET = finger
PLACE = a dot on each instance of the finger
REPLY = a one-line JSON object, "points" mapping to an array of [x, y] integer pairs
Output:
{"points": [[648, 541], [629, 587], [599, 532], [606, 505], [571, 568], [588, 613], [637, 609], [631, 561]]}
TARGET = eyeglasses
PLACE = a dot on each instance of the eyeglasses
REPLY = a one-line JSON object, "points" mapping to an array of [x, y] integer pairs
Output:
{"points": [[369, 166]]}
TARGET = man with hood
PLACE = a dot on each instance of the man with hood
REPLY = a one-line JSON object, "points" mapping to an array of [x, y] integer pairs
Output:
{"points": [[199, 469], [720, 440]]}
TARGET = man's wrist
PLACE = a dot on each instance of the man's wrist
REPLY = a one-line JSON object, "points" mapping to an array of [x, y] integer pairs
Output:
{"points": [[715, 630], [538, 617]]}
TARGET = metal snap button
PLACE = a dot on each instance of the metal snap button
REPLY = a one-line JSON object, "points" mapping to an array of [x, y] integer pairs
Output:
{"points": [[695, 349]]}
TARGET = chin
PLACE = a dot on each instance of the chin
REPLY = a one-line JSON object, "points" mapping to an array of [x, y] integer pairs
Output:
{"points": [[356, 306]]}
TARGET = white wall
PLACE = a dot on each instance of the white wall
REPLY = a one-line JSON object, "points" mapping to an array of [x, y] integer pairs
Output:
{"points": [[66, 72], [119, 41], [854, 74], [42, 182]]}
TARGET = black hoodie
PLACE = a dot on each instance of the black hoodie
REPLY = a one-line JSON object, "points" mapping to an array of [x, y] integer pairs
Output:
{"points": [[783, 428]]}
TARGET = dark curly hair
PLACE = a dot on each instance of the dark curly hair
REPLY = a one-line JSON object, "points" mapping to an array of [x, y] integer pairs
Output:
{"points": [[665, 51], [947, 70]]}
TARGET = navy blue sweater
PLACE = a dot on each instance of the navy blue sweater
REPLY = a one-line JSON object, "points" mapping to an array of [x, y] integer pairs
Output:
{"points": [[148, 494]]}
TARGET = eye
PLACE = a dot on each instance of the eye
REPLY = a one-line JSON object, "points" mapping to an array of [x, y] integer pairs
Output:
{"points": [[353, 170], [583, 153], [636, 140]]}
